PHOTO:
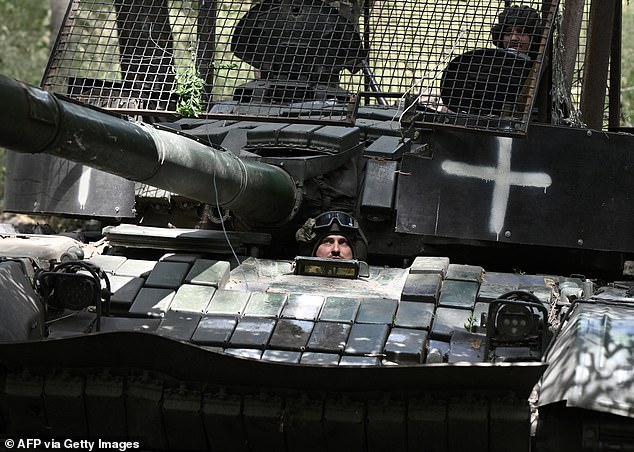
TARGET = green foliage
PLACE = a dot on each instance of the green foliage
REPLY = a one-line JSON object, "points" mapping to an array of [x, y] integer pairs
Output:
{"points": [[627, 68], [471, 324], [24, 40], [190, 89]]}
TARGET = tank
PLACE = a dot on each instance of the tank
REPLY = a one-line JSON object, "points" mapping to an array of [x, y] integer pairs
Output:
{"points": [[487, 300]]}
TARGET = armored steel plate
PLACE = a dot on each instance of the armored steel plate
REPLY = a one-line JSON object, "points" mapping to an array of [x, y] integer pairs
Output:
{"points": [[214, 330], [291, 334], [192, 298], [372, 310], [406, 345], [536, 191], [265, 304], [329, 337], [339, 309], [43, 184], [150, 301], [179, 325], [413, 314], [135, 349], [323, 359], [281, 356]]}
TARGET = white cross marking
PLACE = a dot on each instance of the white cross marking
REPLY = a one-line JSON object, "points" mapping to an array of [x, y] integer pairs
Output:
{"points": [[84, 187], [502, 178]]}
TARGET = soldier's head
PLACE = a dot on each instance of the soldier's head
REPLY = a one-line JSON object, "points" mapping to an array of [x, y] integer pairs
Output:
{"points": [[336, 235], [518, 28], [334, 246]]}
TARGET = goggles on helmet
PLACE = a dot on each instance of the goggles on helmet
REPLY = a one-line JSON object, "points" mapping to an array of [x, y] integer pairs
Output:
{"points": [[327, 218]]}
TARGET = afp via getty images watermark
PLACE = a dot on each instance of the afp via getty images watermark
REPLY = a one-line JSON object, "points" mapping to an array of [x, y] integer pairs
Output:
{"points": [[69, 444]]}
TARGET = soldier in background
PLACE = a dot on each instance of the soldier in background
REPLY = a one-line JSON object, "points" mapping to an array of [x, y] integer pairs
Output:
{"points": [[519, 28], [307, 41]]}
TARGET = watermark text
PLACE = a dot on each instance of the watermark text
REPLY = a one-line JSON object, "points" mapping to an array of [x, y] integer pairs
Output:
{"points": [[70, 444]]}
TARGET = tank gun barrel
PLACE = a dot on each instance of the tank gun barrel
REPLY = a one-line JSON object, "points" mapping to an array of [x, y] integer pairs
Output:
{"points": [[36, 121]]}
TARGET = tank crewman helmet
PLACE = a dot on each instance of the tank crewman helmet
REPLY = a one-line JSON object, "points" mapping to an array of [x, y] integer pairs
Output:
{"points": [[350, 10], [523, 17], [333, 222]]}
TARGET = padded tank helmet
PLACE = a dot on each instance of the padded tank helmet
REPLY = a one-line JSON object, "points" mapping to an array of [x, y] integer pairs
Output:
{"points": [[332, 223], [518, 16]]}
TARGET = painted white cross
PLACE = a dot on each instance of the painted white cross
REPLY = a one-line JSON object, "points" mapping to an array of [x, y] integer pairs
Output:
{"points": [[84, 187], [502, 178]]}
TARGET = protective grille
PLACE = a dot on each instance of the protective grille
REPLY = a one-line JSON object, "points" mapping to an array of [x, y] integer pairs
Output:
{"points": [[439, 63]]}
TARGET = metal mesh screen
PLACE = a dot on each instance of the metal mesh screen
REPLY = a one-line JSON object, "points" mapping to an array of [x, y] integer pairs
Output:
{"points": [[440, 63], [566, 108]]}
